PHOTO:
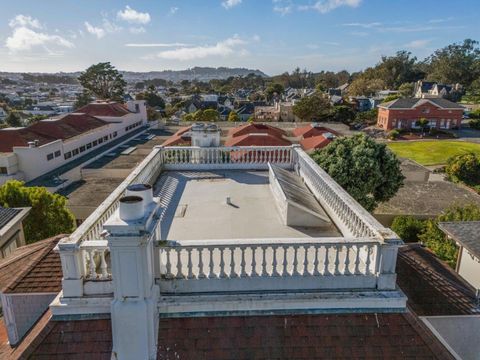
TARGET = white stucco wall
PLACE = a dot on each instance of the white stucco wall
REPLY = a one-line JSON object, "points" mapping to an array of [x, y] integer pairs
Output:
{"points": [[469, 268]]}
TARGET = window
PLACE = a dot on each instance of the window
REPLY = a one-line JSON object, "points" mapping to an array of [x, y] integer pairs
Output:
{"points": [[3, 170], [115, 134], [100, 140], [89, 145], [67, 155], [49, 157], [95, 143], [75, 152], [426, 110], [82, 148], [105, 138], [58, 153], [137, 108]]}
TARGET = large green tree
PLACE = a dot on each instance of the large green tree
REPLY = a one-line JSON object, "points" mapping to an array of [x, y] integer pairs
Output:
{"points": [[103, 81], [464, 168], [312, 108], [49, 215], [367, 170], [13, 119]]}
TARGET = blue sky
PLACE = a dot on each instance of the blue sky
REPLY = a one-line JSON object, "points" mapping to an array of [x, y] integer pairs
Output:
{"points": [[270, 35]]}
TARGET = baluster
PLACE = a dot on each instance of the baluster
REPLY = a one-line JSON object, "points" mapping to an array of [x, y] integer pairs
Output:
{"points": [[179, 264], [326, 264], [190, 264], [243, 273], [264, 260], [305, 260], [368, 261], [275, 264], [168, 265], [285, 267], [295, 260], [346, 269], [254, 261], [222, 272], [232, 263], [201, 273], [315, 271], [103, 265], [357, 261], [336, 269], [91, 264], [211, 270]]}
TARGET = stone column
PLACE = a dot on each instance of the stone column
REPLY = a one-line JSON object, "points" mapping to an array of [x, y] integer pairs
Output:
{"points": [[72, 268], [386, 275], [134, 307]]}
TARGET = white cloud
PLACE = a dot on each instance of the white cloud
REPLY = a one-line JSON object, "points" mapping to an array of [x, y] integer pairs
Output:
{"points": [[133, 16], [173, 10], [156, 45], [24, 20], [417, 44], [364, 25], [228, 4], [25, 36], [222, 49], [97, 31], [325, 6]]}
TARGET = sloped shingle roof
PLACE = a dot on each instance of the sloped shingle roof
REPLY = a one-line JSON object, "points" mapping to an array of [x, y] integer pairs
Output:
{"points": [[256, 128], [464, 232], [261, 139], [108, 109], [410, 103]]}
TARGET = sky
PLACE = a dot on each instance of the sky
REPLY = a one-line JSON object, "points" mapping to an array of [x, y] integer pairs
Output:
{"points": [[271, 35]]}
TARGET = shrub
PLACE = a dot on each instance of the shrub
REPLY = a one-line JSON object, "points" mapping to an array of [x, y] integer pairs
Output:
{"points": [[393, 134], [464, 168], [408, 228], [475, 124]]}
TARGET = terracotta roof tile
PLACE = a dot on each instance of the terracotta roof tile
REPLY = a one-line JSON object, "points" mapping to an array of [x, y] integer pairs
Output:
{"points": [[431, 286], [108, 109], [315, 142], [257, 129], [309, 131], [177, 140], [257, 139], [34, 268]]}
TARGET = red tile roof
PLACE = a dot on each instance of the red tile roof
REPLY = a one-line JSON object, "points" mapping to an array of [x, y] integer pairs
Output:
{"points": [[183, 130], [46, 131], [109, 109], [257, 129], [257, 139], [314, 142], [432, 287], [346, 336], [177, 140], [34, 268], [309, 131]]}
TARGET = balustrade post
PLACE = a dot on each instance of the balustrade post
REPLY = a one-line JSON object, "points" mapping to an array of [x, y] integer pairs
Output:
{"points": [[73, 268], [387, 253]]}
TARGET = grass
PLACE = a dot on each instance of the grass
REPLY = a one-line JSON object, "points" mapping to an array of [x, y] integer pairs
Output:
{"points": [[432, 152]]}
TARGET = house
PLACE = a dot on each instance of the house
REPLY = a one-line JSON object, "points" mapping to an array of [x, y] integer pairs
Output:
{"points": [[256, 128], [30, 279], [404, 113], [263, 256], [267, 113], [39, 109], [11, 229], [431, 89], [246, 111], [466, 236], [286, 111], [223, 112], [27, 153], [311, 130], [257, 139], [361, 103], [316, 142], [3, 114]]}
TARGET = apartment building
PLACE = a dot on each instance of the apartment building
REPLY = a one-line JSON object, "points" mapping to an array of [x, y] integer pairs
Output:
{"points": [[27, 153]]}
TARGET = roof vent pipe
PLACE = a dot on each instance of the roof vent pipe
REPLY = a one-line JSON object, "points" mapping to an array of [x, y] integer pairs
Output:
{"points": [[145, 191], [131, 208]]}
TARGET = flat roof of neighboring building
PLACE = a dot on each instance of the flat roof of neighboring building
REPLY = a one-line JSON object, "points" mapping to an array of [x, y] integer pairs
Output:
{"points": [[196, 207], [90, 193]]}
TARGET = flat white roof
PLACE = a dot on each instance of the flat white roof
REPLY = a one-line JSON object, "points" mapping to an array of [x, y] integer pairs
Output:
{"points": [[196, 207]]}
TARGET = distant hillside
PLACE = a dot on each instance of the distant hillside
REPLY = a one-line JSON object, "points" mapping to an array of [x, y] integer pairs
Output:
{"points": [[196, 73]]}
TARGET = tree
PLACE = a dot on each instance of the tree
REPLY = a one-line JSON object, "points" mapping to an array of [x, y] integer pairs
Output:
{"points": [[152, 98], [13, 119], [407, 227], [233, 116], [342, 113], [398, 69], [36, 118], [436, 240], [188, 117], [366, 117], [423, 124], [311, 108], [49, 215], [365, 87], [392, 97], [104, 81], [84, 98], [367, 170], [406, 89], [273, 90], [211, 115], [464, 168]]}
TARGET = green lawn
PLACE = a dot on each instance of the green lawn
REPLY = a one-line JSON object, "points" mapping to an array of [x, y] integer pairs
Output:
{"points": [[432, 152]]}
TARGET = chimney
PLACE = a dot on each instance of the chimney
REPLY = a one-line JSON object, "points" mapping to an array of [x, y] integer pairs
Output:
{"points": [[131, 208], [145, 191]]}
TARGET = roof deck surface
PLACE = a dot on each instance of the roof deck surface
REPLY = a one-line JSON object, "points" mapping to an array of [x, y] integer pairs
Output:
{"points": [[196, 207]]}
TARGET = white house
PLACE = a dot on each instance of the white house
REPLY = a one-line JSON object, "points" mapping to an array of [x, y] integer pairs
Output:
{"points": [[27, 153]]}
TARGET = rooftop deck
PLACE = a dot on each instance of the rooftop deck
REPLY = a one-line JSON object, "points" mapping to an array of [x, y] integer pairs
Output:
{"points": [[197, 208]]}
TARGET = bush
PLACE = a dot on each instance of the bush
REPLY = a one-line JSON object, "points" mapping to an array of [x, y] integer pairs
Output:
{"points": [[408, 228], [393, 134], [475, 124], [464, 168]]}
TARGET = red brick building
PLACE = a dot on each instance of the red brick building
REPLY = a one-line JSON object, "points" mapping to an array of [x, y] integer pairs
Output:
{"points": [[404, 113]]}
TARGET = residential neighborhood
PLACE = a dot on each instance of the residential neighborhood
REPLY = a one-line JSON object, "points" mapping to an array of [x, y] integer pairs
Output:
{"points": [[303, 184]]}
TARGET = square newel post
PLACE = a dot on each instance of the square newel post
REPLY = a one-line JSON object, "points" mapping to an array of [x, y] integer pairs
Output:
{"points": [[72, 268], [386, 275], [134, 309]]}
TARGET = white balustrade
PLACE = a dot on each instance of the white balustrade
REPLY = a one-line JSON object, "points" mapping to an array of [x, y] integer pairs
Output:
{"points": [[186, 262], [95, 254]]}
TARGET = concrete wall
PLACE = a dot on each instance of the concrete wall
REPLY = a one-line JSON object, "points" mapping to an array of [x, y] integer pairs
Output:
{"points": [[469, 268], [21, 311]]}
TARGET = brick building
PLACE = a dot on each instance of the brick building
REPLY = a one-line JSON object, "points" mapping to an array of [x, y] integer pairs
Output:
{"points": [[404, 113]]}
